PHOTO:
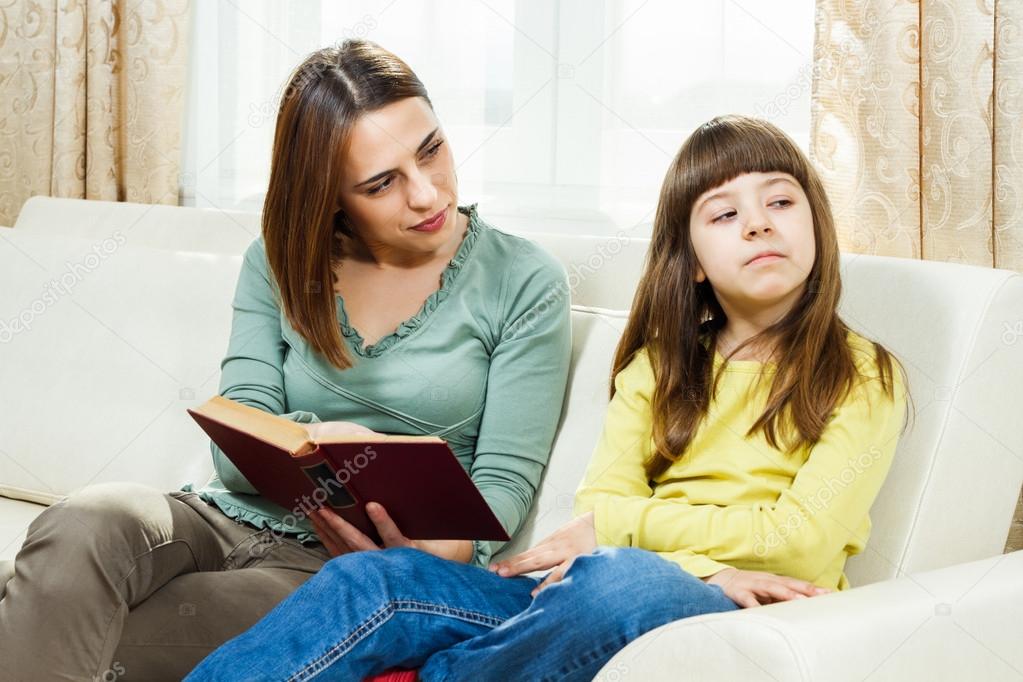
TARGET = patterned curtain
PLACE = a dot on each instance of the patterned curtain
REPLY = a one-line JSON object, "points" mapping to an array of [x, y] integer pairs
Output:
{"points": [[92, 100], [918, 126]]}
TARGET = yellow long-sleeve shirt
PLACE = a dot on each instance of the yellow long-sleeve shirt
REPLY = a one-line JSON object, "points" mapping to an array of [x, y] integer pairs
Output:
{"points": [[732, 501]]}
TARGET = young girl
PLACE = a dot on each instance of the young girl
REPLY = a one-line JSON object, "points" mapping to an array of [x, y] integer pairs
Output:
{"points": [[748, 433]]}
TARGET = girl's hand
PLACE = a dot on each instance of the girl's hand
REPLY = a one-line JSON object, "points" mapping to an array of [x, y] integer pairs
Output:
{"points": [[341, 537], [754, 588], [326, 429], [557, 551]]}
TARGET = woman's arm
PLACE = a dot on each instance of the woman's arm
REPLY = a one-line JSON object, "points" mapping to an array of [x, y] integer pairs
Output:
{"points": [[252, 371], [525, 390]]}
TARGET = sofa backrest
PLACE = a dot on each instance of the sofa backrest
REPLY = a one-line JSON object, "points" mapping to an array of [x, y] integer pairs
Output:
{"points": [[96, 390], [102, 347]]}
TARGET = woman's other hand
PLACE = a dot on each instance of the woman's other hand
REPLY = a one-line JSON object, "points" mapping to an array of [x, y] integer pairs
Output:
{"points": [[319, 430]]}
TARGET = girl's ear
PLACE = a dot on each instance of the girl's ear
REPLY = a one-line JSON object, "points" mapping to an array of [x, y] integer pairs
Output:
{"points": [[700, 274]]}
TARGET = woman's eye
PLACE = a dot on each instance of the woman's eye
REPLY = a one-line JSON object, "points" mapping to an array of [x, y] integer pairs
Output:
{"points": [[379, 188], [724, 216], [432, 151]]}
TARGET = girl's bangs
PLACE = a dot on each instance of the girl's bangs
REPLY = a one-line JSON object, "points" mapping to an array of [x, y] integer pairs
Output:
{"points": [[724, 148]]}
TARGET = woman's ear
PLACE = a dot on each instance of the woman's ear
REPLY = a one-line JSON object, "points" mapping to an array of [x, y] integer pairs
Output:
{"points": [[700, 274]]}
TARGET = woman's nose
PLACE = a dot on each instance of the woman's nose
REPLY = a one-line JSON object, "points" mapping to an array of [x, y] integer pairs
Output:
{"points": [[422, 192]]}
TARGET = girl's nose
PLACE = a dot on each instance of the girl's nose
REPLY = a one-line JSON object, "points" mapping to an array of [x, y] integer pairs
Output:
{"points": [[758, 225]]}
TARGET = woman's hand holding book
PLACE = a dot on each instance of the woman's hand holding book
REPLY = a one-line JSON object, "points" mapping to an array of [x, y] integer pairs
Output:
{"points": [[341, 537]]}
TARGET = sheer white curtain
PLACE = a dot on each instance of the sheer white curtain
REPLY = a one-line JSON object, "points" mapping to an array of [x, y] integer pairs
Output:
{"points": [[563, 116]]}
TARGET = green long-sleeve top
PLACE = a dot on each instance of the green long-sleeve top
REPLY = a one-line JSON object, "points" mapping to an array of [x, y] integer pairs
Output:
{"points": [[483, 365]]}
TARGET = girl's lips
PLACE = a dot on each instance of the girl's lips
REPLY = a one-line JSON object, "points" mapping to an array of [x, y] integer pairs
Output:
{"points": [[433, 224], [765, 259]]}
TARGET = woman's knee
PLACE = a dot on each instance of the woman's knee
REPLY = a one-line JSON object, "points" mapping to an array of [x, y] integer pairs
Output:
{"points": [[107, 510]]}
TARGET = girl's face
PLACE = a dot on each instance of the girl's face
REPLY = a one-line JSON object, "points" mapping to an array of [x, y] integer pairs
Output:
{"points": [[733, 224], [398, 185]]}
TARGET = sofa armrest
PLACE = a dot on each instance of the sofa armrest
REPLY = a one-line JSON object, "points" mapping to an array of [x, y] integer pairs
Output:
{"points": [[955, 623]]}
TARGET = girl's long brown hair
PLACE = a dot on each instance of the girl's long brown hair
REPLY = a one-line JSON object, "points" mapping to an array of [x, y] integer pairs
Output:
{"points": [[324, 97], [678, 320]]}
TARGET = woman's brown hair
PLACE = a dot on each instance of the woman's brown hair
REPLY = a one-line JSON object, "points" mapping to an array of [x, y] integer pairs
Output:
{"points": [[324, 97], [677, 320]]}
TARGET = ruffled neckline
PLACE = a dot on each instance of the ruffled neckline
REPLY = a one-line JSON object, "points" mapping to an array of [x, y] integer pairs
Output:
{"points": [[447, 281]]}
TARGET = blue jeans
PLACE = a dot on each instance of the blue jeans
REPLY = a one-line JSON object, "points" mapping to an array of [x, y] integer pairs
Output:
{"points": [[369, 611]]}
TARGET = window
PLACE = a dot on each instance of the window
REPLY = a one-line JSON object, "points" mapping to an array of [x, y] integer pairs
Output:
{"points": [[563, 116]]}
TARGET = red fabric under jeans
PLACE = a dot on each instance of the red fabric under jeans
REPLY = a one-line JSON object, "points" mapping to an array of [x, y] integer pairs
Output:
{"points": [[394, 676]]}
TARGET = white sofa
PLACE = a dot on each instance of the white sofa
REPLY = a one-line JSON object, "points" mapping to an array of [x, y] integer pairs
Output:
{"points": [[96, 382]]}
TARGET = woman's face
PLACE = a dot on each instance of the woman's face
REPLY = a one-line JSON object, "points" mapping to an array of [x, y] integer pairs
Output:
{"points": [[734, 223], [398, 185]]}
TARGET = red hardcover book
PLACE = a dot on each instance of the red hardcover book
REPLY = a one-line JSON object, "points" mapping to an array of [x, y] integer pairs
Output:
{"points": [[417, 479]]}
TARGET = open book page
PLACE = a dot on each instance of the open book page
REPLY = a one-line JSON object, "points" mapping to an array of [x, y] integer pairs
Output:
{"points": [[286, 434], [278, 431]]}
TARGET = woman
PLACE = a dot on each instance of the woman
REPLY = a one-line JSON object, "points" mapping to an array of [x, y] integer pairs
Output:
{"points": [[372, 301]]}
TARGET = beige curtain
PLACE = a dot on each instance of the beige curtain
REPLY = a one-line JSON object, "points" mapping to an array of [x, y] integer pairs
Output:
{"points": [[91, 100], [918, 126]]}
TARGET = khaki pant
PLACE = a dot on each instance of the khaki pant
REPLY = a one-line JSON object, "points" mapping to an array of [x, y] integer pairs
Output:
{"points": [[123, 582]]}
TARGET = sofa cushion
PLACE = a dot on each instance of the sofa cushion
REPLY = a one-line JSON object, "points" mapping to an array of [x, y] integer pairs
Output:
{"points": [[955, 328], [103, 347]]}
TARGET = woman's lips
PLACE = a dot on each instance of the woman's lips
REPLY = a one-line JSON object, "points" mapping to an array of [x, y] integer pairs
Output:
{"points": [[433, 224]]}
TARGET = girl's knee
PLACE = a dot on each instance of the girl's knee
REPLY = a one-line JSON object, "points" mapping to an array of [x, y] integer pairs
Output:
{"points": [[397, 564], [625, 592], [624, 565], [636, 579]]}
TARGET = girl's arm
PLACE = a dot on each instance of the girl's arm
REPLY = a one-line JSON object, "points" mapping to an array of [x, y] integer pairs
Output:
{"points": [[798, 535], [559, 550]]}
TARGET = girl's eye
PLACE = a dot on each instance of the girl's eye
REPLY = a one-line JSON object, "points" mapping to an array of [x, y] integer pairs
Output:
{"points": [[376, 189], [727, 215], [781, 203]]}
